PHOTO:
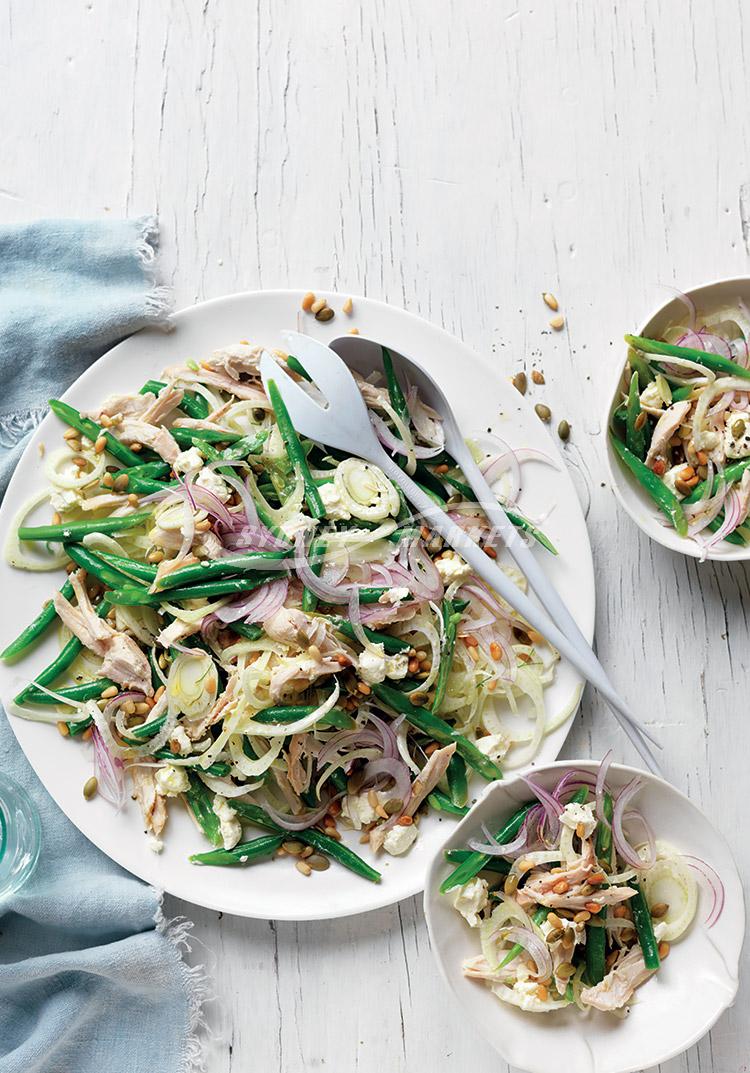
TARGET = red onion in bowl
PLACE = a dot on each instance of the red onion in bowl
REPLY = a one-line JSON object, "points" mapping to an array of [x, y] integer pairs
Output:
{"points": [[108, 770], [714, 883], [621, 843], [303, 820], [601, 777], [535, 947], [393, 769], [258, 605], [396, 446]]}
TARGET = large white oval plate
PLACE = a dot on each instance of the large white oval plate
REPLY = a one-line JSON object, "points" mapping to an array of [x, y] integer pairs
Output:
{"points": [[482, 398]]}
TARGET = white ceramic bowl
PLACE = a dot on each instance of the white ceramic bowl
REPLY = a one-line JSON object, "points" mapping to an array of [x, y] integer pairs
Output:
{"points": [[708, 298], [672, 1011]]}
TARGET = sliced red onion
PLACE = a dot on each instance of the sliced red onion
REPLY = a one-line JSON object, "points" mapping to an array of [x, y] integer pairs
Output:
{"points": [[494, 467], [635, 817], [258, 605], [108, 770], [426, 579], [733, 516], [621, 843], [601, 783], [390, 744], [391, 441], [303, 820], [534, 946], [332, 594], [253, 538], [493, 848], [248, 503], [394, 769], [715, 885], [349, 740], [571, 781], [552, 808]]}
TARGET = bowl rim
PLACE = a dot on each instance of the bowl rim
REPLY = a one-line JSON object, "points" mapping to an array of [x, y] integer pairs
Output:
{"points": [[664, 535], [565, 765]]}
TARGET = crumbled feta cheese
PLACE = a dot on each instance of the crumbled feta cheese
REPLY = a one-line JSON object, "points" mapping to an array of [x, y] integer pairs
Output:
{"points": [[470, 899], [298, 523], [183, 742], [399, 839], [737, 434], [372, 666], [357, 809], [656, 395], [575, 813], [660, 928], [155, 844], [397, 666], [495, 746], [171, 780], [452, 568], [64, 498], [188, 460], [212, 482], [229, 826], [526, 996], [394, 595], [335, 509], [671, 476]]}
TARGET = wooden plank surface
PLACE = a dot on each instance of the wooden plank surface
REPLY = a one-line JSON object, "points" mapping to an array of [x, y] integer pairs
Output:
{"points": [[456, 159]]}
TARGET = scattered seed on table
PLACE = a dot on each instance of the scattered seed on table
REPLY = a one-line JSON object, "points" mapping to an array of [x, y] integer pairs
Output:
{"points": [[354, 331], [325, 314], [519, 382], [542, 412], [317, 305], [90, 787], [347, 307], [304, 868], [558, 322], [563, 430], [63, 727], [307, 301], [537, 377], [550, 301]]}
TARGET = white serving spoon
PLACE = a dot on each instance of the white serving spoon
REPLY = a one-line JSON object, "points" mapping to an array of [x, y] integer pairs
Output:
{"points": [[340, 419]]}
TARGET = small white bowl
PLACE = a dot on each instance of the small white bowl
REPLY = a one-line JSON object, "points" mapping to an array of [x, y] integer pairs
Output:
{"points": [[670, 1013], [708, 298]]}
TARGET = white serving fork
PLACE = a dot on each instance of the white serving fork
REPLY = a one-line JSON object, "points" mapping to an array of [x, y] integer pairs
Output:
{"points": [[339, 418]]}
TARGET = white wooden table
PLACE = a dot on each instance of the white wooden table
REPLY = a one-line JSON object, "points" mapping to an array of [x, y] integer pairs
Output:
{"points": [[456, 159]]}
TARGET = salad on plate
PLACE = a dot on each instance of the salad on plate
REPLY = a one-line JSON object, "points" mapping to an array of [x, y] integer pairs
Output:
{"points": [[256, 628], [682, 424], [574, 901]]}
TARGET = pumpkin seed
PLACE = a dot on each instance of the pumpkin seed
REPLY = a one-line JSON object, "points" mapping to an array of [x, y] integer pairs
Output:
{"points": [[543, 412], [90, 787], [318, 862], [520, 382], [563, 430]]}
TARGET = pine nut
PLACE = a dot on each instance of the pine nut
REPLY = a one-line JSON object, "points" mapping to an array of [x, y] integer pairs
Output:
{"points": [[404, 821], [582, 917], [557, 323], [108, 480], [304, 868], [133, 499], [495, 650], [70, 434], [155, 556], [621, 912], [659, 910], [550, 301], [364, 689], [593, 908], [306, 852], [511, 885], [347, 307], [110, 691], [56, 519], [332, 833], [136, 447], [63, 727], [664, 950], [120, 483], [317, 305], [554, 920], [561, 888], [307, 301], [542, 993], [100, 445], [354, 331]]}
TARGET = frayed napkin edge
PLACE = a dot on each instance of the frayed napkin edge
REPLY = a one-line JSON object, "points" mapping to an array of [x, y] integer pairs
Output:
{"points": [[198, 988], [159, 298]]}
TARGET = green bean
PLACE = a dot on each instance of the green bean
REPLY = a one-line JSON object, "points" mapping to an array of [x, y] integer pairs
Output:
{"points": [[131, 597], [36, 628], [451, 619], [458, 785], [732, 538], [438, 729], [218, 769], [476, 861], [603, 844], [245, 853], [538, 916], [246, 629], [74, 694], [130, 567], [248, 445], [731, 474], [635, 436], [147, 730], [96, 567], [316, 556], [294, 449], [197, 437], [297, 367], [639, 365], [311, 837], [716, 362], [290, 713], [75, 531], [681, 393], [392, 645], [76, 727], [62, 660], [200, 802], [208, 569], [596, 943], [193, 404], [442, 803], [666, 500], [644, 926], [92, 431], [515, 519], [396, 395], [495, 864]]}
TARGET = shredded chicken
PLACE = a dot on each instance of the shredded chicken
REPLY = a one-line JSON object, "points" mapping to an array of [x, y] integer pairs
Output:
{"points": [[665, 429], [540, 886], [122, 659], [196, 729], [429, 777], [298, 772], [153, 804], [618, 986], [297, 673], [133, 430]]}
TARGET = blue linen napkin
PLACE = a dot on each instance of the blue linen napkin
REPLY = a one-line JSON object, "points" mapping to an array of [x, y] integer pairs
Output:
{"points": [[91, 974]]}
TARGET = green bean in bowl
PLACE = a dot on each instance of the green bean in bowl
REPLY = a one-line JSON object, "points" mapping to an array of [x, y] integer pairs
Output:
{"points": [[254, 628]]}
